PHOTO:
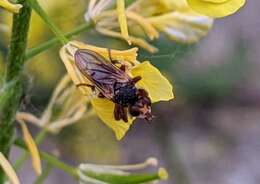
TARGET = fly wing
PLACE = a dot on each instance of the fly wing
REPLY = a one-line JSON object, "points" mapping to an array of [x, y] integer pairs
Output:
{"points": [[99, 71]]}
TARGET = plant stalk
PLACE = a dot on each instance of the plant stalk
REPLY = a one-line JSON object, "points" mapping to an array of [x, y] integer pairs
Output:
{"points": [[12, 90], [54, 41], [40, 11], [41, 179], [52, 160]]}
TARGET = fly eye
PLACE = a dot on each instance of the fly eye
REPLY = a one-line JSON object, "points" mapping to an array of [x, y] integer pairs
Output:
{"points": [[147, 101], [142, 92], [134, 111]]}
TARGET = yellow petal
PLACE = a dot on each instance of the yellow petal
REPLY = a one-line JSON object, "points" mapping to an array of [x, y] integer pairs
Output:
{"points": [[180, 5], [158, 87], [36, 161], [10, 7], [8, 169], [148, 8], [105, 110], [122, 19], [216, 8], [128, 55], [183, 26]]}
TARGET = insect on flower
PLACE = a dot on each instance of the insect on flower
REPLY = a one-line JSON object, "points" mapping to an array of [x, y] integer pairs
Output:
{"points": [[113, 71], [112, 82]]}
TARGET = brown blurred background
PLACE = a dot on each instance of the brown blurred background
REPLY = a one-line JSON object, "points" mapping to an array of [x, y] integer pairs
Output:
{"points": [[208, 135]]}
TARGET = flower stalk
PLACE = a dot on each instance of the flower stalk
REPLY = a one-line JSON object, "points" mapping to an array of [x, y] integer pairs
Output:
{"points": [[121, 174], [41, 179], [70, 170], [54, 41], [12, 90], [38, 9]]}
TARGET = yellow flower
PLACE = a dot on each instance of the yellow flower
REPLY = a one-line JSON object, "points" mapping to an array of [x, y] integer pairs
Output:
{"points": [[152, 81], [183, 28], [10, 6], [216, 8], [115, 23], [183, 24], [174, 18]]}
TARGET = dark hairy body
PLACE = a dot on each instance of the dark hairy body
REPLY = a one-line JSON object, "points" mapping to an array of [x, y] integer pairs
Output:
{"points": [[113, 83]]}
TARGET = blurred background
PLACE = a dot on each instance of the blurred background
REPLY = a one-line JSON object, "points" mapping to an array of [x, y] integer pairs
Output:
{"points": [[208, 134]]}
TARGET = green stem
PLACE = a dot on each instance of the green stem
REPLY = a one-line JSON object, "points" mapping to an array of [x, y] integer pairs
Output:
{"points": [[54, 41], [44, 175], [60, 165], [38, 9], [52, 160], [122, 179], [12, 90]]}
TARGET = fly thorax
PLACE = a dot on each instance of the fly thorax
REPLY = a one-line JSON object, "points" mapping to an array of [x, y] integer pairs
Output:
{"points": [[125, 95]]}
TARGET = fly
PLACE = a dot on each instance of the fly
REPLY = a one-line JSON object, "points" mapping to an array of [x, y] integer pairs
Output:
{"points": [[113, 83]]}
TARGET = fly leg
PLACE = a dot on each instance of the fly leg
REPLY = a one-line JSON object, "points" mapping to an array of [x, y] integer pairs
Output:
{"points": [[124, 116], [110, 57], [120, 113], [117, 112], [87, 85], [122, 67], [136, 79]]}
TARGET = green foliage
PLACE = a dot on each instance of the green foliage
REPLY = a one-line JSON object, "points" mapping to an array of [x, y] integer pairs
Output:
{"points": [[12, 93]]}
